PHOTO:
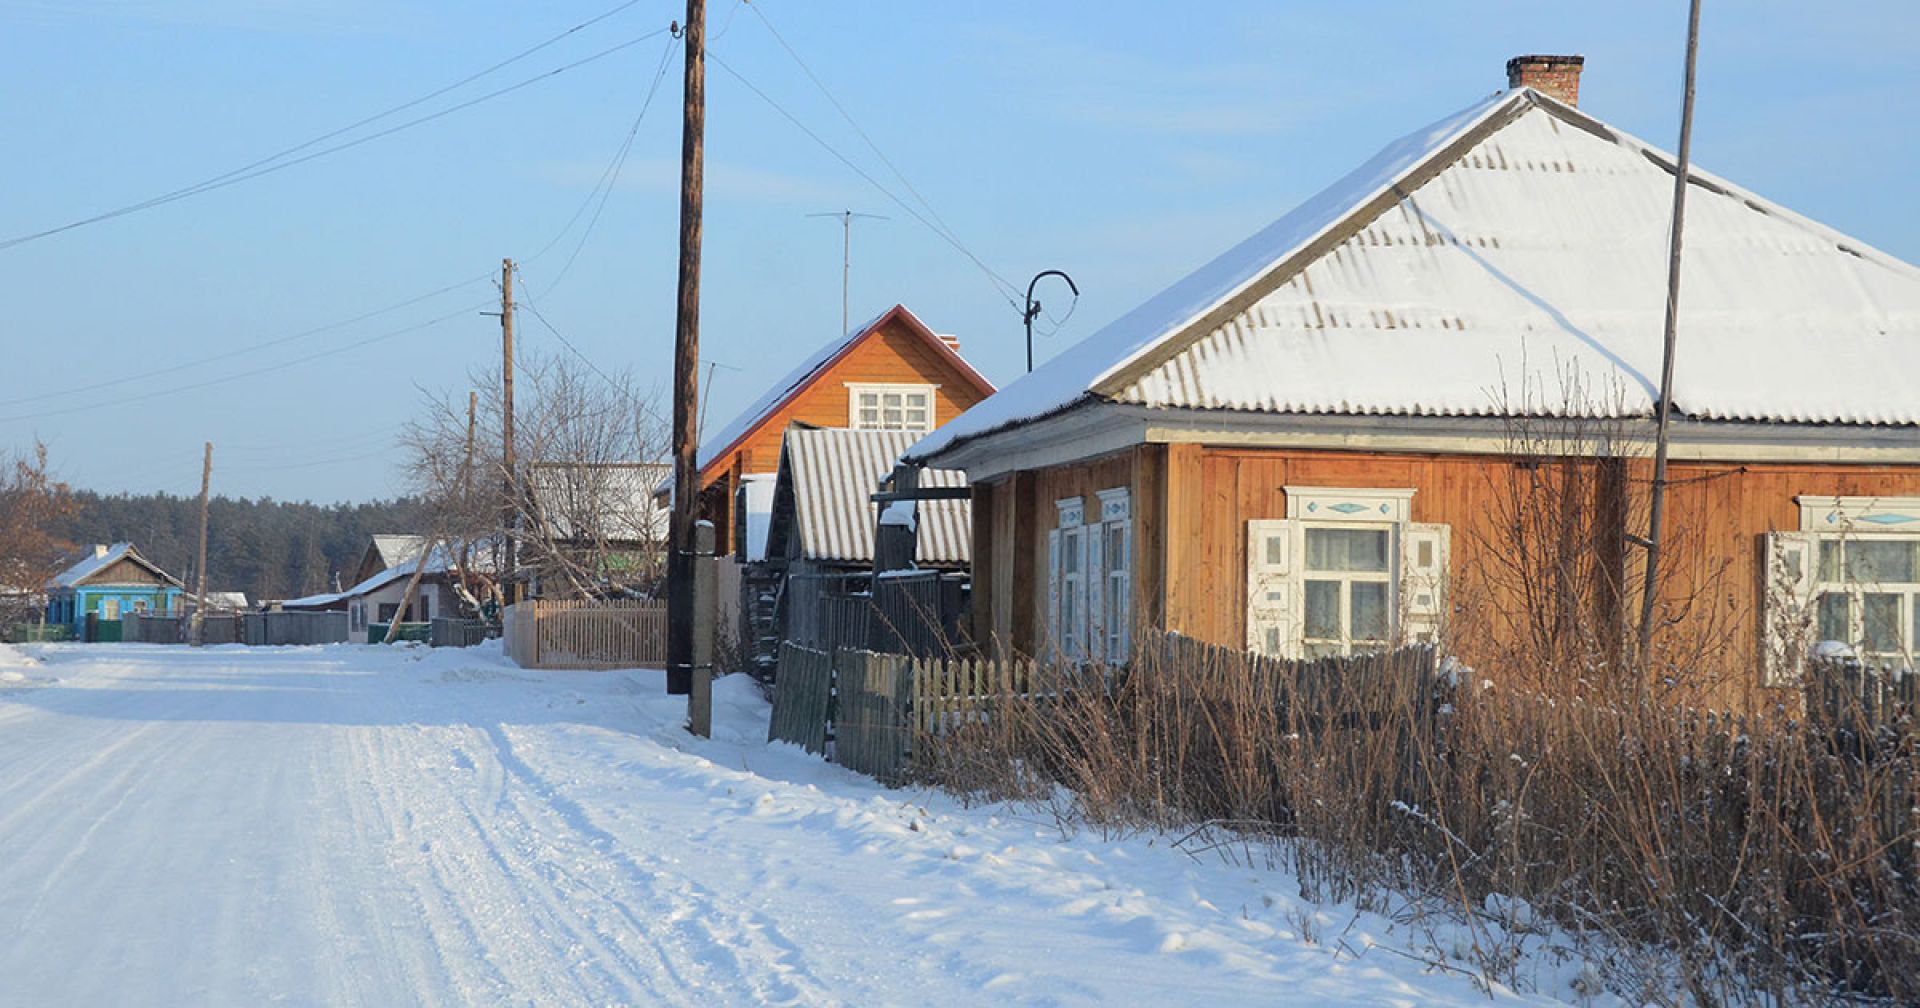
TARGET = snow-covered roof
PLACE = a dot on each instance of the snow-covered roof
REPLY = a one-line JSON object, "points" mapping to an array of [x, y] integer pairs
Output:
{"points": [[397, 548], [101, 557], [1486, 265], [785, 390], [613, 501], [826, 484]]}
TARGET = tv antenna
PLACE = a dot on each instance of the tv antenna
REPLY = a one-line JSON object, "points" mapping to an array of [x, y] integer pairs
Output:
{"points": [[846, 254]]}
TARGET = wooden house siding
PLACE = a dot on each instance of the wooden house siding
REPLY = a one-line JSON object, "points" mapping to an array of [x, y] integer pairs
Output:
{"points": [[893, 353], [1191, 505], [126, 572]]}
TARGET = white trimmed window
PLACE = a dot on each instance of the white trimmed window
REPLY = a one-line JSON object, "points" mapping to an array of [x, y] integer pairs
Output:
{"points": [[1090, 578], [1067, 579], [1851, 576], [890, 407], [1113, 623], [1346, 572]]}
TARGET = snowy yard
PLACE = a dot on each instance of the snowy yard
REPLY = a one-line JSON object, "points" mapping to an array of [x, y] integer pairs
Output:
{"points": [[354, 825]]}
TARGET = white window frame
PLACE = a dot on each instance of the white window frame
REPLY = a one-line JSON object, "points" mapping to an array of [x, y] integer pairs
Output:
{"points": [[1113, 622], [1796, 581], [880, 390], [1067, 589], [1277, 575], [1345, 643]]}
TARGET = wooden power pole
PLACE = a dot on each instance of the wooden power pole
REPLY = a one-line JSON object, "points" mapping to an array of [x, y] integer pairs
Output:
{"points": [[508, 520], [686, 366], [1663, 409], [196, 630]]}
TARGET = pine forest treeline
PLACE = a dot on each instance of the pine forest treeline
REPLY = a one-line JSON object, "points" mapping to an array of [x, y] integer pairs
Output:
{"points": [[269, 549]]}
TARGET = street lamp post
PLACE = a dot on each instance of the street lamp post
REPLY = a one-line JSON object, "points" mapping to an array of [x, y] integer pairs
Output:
{"points": [[1033, 307]]}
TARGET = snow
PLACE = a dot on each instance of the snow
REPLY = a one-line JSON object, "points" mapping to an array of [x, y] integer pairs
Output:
{"points": [[1527, 275], [359, 825], [1066, 378]]}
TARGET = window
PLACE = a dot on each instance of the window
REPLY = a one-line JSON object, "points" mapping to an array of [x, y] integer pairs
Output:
{"points": [[1348, 590], [1090, 579], [1113, 624], [1067, 579], [110, 609], [1850, 576], [1345, 573], [388, 610], [1867, 594], [890, 407]]}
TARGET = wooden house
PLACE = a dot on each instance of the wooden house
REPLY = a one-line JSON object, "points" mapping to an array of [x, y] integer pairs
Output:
{"points": [[105, 583], [892, 373], [386, 550], [594, 528], [1315, 443]]}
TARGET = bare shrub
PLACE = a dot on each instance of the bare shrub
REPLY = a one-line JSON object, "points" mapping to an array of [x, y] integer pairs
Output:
{"points": [[1739, 855]]}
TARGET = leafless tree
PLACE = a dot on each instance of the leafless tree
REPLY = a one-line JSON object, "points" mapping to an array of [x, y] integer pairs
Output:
{"points": [[577, 509]]}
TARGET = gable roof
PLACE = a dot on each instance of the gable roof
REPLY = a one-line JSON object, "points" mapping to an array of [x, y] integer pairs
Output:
{"points": [[391, 548], [822, 498], [611, 501], [101, 558], [736, 431], [1509, 259]]}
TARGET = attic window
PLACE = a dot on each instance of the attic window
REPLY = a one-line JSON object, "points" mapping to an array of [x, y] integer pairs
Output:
{"points": [[890, 407]]}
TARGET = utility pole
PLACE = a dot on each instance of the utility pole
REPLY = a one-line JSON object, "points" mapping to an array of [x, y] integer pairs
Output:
{"points": [[506, 429], [195, 632], [686, 365], [1663, 409], [846, 257]]}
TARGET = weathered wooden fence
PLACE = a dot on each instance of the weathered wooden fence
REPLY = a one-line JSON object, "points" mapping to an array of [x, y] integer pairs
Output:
{"points": [[293, 628], [444, 632], [919, 613], [563, 634], [867, 711]]}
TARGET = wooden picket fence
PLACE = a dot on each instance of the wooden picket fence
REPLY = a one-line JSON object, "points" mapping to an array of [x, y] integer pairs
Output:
{"points": [[586, 634]]}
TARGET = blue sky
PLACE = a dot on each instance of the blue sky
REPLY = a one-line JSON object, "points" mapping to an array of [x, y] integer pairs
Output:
{"points": [[1124, 142]]}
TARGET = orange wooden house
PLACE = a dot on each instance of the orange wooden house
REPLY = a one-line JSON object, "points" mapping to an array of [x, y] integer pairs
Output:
{"points": [[892, 373], [1311, 444]]}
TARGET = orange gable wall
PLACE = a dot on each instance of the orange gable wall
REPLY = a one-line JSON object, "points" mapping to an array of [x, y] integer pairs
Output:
{"points": [[892, 354]]}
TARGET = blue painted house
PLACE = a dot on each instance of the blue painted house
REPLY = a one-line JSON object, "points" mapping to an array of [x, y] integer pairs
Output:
{"points": [[107, 582]]}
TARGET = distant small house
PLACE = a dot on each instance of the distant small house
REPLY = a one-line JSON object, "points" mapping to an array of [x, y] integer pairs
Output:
{"points": [[595, 525], [377, 599], [387, 550], [892, 373], [105, 583]]}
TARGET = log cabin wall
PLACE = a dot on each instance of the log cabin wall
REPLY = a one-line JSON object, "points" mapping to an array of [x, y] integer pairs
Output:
{"points": [[1191, 505]]}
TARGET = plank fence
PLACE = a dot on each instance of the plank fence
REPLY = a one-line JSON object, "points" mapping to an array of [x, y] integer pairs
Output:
{"points": [[586, 634], [868, 711]]}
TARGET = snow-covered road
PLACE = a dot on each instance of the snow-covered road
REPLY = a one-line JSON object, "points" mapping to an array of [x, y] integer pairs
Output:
{"points": [[354, 825]]}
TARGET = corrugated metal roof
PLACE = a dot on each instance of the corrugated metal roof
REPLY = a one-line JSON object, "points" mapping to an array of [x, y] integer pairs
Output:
{"points": [[1511, 260], [832, 474]]}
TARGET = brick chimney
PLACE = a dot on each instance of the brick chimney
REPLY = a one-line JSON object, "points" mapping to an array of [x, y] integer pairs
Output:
{"points": [[952, 341], [1556, 76]]}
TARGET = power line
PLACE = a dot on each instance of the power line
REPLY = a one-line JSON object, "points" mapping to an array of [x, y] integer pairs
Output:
{"points": [[609, 178], [874, 147], [276, 341], [256, 371], [641, 405], [234, 178], [1006, 289]]}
